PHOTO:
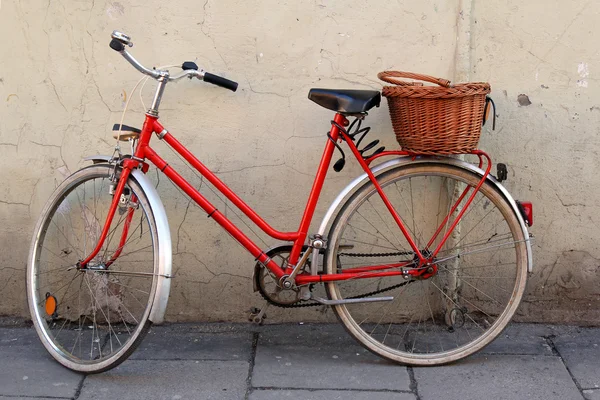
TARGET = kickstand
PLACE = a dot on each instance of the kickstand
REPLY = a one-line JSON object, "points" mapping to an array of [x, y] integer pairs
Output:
{"points": [[258, 315]]}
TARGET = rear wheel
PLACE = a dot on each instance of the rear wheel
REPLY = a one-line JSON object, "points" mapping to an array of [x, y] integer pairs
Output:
{"points": [[478, 279], [91, 319]]}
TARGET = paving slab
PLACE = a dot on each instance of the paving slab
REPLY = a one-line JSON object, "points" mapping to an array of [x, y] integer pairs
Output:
{"points": [[328, 395], [28, 370], [498, 377], [591, 394], [522, 339], [160, 379], [517, 339], [580, 350], [322, 357], [306, 334], [31, 398], [167, 344], [306, 361], [18, 337]]}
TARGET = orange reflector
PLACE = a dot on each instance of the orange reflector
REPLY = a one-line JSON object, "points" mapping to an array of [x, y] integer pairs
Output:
{"points": [[50, 305]]}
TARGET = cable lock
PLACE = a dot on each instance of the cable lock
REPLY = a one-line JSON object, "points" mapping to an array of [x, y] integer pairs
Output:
{"points": [[356, 125]]}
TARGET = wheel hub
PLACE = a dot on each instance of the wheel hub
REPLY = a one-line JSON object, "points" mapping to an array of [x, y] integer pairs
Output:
{"points": [[425, 269]]}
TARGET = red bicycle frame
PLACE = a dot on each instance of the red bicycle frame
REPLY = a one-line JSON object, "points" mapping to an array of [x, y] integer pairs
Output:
{"points": [[145, 152]]}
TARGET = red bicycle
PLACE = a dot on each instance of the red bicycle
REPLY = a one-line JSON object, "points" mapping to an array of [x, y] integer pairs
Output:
{"points": [[424, 259]]}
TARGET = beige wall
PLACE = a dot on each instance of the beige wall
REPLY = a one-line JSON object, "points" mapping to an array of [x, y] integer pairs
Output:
{"points": [[62, 88], [549, 51]]}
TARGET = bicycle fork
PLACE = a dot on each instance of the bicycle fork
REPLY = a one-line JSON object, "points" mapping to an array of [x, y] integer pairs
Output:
{"points": [[119, 200]]}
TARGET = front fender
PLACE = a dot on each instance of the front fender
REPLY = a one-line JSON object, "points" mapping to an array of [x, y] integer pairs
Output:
{"points": [[165, 256], [399, 161]]}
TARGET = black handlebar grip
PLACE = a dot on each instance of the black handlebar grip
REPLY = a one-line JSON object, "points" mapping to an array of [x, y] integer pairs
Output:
{"points": [[116, 45], [220, 81]]}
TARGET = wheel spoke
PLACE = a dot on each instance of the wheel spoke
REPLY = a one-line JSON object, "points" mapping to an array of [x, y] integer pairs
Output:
{"points": [[97, 314], [465, 298]]}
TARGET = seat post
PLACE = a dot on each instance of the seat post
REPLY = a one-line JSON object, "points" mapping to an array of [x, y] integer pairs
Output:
{"points": [[315, 192]]}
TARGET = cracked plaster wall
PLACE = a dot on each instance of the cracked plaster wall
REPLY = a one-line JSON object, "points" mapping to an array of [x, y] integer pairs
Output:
{"points": [[62, 88], [548, 51]]}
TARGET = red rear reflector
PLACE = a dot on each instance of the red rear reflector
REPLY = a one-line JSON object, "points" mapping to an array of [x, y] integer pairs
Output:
{"points": [[528, 210]]}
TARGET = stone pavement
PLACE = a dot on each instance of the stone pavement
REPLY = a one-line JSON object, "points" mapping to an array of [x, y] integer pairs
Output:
{"points": [[306, 361]]}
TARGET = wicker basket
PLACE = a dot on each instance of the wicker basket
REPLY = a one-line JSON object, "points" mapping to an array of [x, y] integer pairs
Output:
{"points": [[443, 119]]}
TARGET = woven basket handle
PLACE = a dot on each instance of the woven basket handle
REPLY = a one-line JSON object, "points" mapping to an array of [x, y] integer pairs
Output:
{"points": [[389, 77]]}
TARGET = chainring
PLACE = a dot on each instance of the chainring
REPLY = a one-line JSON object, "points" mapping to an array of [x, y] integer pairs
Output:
{"points": [[267, 284]]}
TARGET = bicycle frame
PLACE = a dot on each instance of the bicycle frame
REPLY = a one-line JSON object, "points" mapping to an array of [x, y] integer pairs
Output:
{"points": [[144, 152]]}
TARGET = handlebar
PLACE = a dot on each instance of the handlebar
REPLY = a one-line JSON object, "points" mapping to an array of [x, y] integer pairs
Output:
{"points": [[120, 40], [220, 81]]}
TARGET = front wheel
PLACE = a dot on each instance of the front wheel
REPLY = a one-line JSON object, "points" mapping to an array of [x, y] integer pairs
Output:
{"points": [[475, 286], [91, 319]]}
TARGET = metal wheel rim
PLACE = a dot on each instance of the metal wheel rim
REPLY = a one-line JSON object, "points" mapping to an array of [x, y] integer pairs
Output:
{"points": [[471, 347], [33, 290]]}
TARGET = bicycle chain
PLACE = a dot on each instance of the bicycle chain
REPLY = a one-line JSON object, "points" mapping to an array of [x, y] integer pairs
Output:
{"points": [[400, 253], [313, 304]]}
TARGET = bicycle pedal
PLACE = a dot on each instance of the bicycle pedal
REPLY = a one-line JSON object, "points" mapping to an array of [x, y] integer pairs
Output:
{"points": [[254, 310], [257, 315]]}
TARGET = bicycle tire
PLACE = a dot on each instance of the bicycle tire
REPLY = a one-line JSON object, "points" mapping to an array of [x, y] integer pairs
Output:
{"points": [[423, 344], [129, 321]]}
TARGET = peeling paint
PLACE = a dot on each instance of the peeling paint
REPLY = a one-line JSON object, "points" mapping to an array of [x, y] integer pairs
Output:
{"points": [[115, 10], [583, 70], [523, 100]]}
